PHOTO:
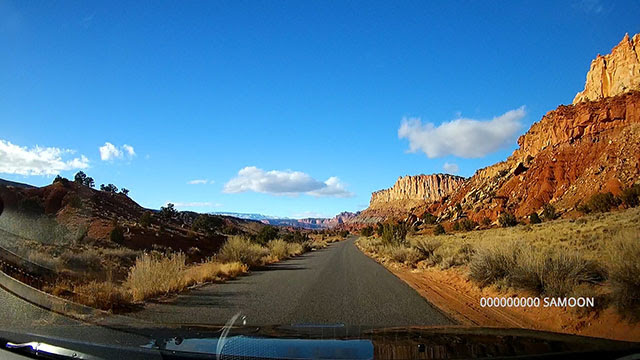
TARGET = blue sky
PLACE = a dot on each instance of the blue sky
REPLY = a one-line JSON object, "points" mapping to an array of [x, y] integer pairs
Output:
{"points": [[288, 108]]}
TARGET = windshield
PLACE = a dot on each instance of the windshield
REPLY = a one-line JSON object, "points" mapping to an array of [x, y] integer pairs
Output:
{"points": [[332, 169]]}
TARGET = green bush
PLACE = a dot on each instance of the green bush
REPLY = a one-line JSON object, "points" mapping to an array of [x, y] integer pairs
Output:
{"points": [[507, 219], [439, 230], [549, 212], [534, 218], [145, 219], [367, 231], [485, 221], [601, 202], [343, 233], [267, 234], [429, 219], [467, 224], [117, 235], [394, 233], [207, 224], [630, 196]]}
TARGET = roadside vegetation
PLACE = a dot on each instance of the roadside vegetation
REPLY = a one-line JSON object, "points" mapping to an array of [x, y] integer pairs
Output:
{"points": [[595, 255], [163, 272]]}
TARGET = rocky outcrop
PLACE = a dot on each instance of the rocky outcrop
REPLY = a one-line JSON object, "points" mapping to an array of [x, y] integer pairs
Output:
{"points": [[419, 187], [615, 73]]}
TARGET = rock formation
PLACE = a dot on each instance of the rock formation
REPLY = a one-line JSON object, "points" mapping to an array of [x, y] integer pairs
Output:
{"points": [[615, 73], [419, 187]]}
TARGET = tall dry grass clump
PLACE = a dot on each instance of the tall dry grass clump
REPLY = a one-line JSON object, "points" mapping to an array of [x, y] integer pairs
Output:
{"points": [[624, 273], [212, 271], [278, 248], [105, 295], [522, 266], [241, 249], [155, 274]]}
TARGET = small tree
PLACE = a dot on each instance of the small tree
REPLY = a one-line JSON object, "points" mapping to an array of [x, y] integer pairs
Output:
{"points": [[602, 202], [267, 234], [207, 224], [438, 230], [549, 212], [124, 191], [109, 188], [485, 221], [88, 182], [507, 219], [168, 212], [145, 219], [60, 179], [80, 178]]}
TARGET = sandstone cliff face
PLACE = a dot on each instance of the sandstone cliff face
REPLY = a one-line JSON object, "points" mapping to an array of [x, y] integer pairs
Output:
{"points": [[420, 187], [615, 73], [572, 153]]}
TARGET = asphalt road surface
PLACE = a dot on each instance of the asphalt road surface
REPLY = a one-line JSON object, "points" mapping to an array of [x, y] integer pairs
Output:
{"points": [[337, 285]]}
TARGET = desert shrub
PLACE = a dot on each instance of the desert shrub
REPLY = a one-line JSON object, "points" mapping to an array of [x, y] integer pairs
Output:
{"points": [[379, 229], [145, 219], [555, 273], [44, 259], [467, 224], [507, 219], [452, 254], [241, 249], [456, 226], [426, 246], [485, 221], [343, 233], [60, 179], [155, 274], [403, 254], [549, 212], [601, 202], [295, 249], [53, 201], [295, 236], [534, 218], [494, 263], [394, 233], [73, 200], [266, 234], [117, 234], [367, 231], [439, 230], [428, 218], [207, 224], [87, 260], [630, 196], [102, 295], [278, 248], [624, 267]]}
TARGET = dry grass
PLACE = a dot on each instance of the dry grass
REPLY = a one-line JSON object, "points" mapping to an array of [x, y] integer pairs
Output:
{"points": [[156, 274], [212, 271], [624, 269], [241, 249], [555, 258], [104, 295]]}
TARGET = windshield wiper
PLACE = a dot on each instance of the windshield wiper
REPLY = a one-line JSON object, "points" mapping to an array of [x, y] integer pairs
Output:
{"points": [[40, 349]]}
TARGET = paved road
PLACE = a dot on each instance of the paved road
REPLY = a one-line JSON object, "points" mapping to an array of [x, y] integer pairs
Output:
{"points": [[336, 285]]}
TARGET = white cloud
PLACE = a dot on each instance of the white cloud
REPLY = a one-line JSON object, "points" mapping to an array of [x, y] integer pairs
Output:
{"points": [[451, 168], [287, 182], [467, 138], [200, 181], [194, 204], [109, 152], [333, 188], [20, 160]]}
